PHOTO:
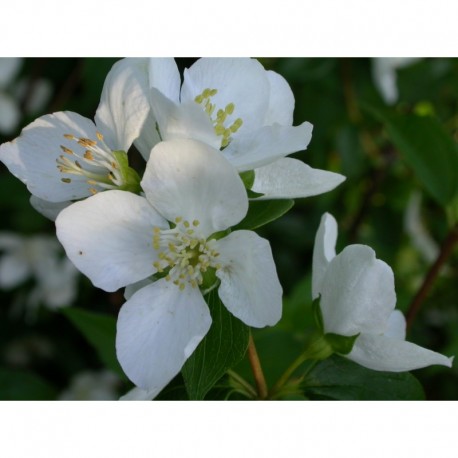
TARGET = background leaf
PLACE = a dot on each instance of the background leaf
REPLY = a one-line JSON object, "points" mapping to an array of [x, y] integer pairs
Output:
{"points": [[222, 348], [339, 378], [428, 149], [24, 386], [100, 332]]}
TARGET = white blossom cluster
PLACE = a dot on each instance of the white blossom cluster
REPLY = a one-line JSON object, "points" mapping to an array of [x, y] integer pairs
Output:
{"points": [[166, 235]]}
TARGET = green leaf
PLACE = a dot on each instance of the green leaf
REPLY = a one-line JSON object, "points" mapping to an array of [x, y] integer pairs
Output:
{"points": [[24, 386], [100, 331], [261, 212], [428, 149], [339, 378], [221, 349]]}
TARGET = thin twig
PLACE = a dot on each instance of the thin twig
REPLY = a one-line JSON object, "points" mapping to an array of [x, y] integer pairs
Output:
{"points": [[256, 368], [445, 252]]}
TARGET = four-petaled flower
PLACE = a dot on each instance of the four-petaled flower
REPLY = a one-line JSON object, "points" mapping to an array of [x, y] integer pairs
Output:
{"points": [[358, 297], [178, 232]]}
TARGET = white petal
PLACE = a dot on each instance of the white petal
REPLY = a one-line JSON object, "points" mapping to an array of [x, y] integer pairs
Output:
{"points": [[14, 269], [385, 76], [123, 104], [149, 136], [137, 394], [396, 326], [281, 101], [58, 282], [134, 287], [385, 79], [185, 121], [383, 353], [249, 288], [165, 77], [324, 251], [9, 66], [416, 229], [158, 329], [188, 179], [288, 178], [35, 101], [40, 96], [49, 210], [240, 81], [267, 144], [109, 238], [357, 293], [9, 114], [10, 241], [32, 156]]}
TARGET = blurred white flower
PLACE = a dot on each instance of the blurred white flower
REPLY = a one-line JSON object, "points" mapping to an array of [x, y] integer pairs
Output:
{"points": [[92, 386], [12, 92], [416, 229], [10, 114], [384, 73], [38, 257], [358, 298]]}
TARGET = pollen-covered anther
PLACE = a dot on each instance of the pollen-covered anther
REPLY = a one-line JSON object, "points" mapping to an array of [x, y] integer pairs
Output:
{"points": [[182, 254], [96, 163], [221, 117]]}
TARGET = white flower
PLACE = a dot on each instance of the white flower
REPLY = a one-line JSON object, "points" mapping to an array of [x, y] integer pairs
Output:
{"points": [[37, 257], [118, 238], [358, 297], [9, 109], [92, 386], [417, 231], [237, 106], [64, 156], [384, 73]]}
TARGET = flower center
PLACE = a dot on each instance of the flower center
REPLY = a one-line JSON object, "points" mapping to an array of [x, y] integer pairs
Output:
{"points": [[183, 255], [221, 116], [100, 165]]}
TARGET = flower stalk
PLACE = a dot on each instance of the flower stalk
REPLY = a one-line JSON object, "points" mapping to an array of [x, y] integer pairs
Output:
{"points": [[255, 363]]}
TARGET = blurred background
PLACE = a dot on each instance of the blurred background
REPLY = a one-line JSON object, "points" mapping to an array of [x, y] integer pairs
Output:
{"points": [[384, 203]]}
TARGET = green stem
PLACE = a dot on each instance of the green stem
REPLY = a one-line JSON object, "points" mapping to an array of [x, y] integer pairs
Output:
{"points": [[319, 349], [445, 252], [250, 391], [256, 368]]}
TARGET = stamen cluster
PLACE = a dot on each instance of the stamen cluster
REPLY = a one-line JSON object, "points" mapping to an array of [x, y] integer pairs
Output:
{"points": [[97, 163], [221, 116], [183, 255]]}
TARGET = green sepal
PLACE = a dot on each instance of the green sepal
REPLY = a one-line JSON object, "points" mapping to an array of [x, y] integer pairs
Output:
{"points": [[248, 181], [261, 212], [252, 194], [130, 177], [318, 349], [219, 235], [209, 278], [316, 309], [247, 178], [341, 344]]}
